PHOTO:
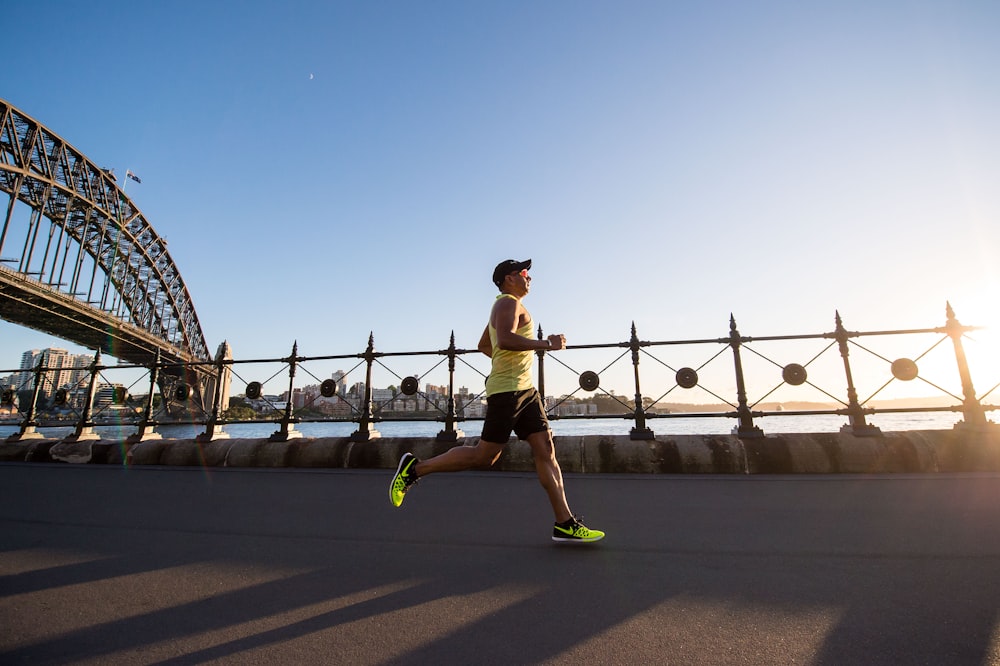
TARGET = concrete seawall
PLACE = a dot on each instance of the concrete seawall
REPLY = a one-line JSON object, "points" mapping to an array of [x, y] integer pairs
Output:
{"points": [[957, 450]]}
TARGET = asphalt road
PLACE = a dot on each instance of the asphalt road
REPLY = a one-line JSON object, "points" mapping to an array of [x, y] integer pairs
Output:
{"points": [[181, 566]]}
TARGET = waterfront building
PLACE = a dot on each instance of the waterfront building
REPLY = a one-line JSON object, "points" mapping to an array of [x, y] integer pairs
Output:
{"points": [[382, 396], [63, 369], [108, 395], [435, 391]]}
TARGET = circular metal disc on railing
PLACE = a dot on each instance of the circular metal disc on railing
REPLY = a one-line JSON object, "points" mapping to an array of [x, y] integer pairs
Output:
{"points": [[904, 369], [409, 386], [254, 390], [589, 380], [328, 388], [687, 378], [182, 392], [794, 374], [62, 396], [8, 397]]}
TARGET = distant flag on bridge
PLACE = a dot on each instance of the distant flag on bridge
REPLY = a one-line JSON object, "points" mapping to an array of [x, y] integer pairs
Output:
{"points": [[129, 174]]}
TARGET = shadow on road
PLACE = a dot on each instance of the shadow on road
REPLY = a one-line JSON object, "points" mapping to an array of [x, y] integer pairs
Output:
{"points": [[151, 566]]}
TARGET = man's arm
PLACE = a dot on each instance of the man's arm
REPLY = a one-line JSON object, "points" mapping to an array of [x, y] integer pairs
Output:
{"points": [[505, 315], [485, 345]]}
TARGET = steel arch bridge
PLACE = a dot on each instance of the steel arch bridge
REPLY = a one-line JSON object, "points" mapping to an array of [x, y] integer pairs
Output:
{"points": [[78, 259]]}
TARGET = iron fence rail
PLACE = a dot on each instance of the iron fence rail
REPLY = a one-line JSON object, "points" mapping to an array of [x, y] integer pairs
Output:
{"points": [[297, 405]]}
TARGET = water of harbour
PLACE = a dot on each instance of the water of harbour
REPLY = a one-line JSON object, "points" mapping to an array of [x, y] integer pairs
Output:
{"points": [[772, 425]]}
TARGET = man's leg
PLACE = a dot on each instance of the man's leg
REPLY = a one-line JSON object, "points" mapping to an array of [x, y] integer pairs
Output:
{"points": [[453, 460], [460, 458], [499, 416], [549, 474]]}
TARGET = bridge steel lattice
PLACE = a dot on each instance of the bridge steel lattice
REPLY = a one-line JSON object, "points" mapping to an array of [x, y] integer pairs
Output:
{"points": [[85, 265]]}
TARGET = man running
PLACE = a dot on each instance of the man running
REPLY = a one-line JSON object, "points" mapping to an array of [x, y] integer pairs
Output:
{"points": [[512, 404]]}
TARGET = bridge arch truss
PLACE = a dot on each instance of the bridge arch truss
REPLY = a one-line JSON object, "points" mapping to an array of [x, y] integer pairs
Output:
{"points": [[79, 260]]}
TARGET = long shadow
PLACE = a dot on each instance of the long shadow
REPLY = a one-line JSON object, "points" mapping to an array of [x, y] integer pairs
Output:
{"points": [[217, 612], [264, 600], [536, 568], [74, 574], [358, 611]]}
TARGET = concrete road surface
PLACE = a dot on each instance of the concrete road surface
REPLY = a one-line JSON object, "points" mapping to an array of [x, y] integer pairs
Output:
{"points": [[106, 565]]}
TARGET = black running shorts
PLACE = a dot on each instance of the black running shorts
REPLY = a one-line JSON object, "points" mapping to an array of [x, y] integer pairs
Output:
{"points": [[519, 411]]}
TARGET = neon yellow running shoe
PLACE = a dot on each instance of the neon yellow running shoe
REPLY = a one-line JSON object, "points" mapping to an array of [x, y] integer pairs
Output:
{"points": [[573, 531], [403, 479]]}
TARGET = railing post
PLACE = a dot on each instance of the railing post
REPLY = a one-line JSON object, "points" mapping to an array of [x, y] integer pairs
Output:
{"points": [[29, 426], [855, 413], [975, 417], [85, 426], [450, 434], [639, 430], [213, 429], [365, 431], [146, 425], [746, 428], [287, 430]]}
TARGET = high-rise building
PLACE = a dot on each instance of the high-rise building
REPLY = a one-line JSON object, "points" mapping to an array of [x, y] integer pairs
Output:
{"points": [[79, 370], [62, 369], [340, 377], [28, 363]]}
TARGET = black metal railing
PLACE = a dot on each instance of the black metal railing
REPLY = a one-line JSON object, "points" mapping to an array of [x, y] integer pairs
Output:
{"points": [[36, 402]]}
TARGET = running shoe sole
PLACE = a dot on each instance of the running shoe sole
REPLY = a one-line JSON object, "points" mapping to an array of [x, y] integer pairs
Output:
{"points": [[560, 535], [404, 462]]}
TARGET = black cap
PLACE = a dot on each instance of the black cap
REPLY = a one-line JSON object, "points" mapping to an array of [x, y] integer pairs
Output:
{"points": [[505, 268]]}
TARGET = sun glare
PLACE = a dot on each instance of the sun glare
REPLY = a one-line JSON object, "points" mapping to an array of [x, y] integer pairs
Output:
{"points": [[982, 347]]}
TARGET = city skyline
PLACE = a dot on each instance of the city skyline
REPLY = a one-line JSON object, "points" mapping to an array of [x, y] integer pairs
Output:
{"points": [[63, 368]]}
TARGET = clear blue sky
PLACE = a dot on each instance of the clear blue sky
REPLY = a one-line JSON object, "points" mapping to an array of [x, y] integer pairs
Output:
{"points": [[326, 169]]}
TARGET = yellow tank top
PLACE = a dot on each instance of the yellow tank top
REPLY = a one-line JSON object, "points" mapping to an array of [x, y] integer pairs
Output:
{"points": [[511, 369]]}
